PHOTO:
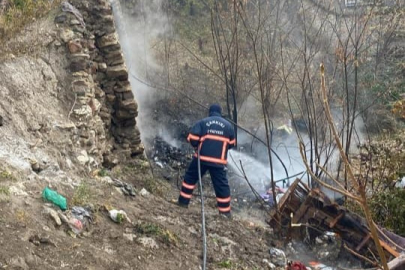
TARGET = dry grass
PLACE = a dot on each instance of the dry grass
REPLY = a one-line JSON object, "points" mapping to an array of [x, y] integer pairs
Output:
{"points": [[23, 12]]}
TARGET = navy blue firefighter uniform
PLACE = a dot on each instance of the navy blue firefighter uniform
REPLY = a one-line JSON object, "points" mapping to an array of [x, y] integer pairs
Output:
{"points": [[213, 136]]}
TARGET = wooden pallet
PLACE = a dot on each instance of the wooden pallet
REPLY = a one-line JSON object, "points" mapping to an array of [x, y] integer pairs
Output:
{"points": [[302, 205]]}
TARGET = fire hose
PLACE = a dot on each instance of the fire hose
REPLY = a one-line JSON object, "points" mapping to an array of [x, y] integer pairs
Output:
{"points": [[204, 236]]}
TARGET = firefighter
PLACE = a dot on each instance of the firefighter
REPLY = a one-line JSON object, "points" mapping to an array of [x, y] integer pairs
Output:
{"points": [[212, 136]]}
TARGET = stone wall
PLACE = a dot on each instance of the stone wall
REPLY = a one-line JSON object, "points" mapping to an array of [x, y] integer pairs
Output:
{"points": [[105, 109]]}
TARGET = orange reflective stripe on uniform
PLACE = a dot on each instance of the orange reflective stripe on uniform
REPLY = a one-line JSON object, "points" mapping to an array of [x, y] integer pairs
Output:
{"points": [[214, 160], [214, 137], [232, 142], [224, 148], [224, 200], [185, 195], [224, 209], [192, 137], [188, 186]]}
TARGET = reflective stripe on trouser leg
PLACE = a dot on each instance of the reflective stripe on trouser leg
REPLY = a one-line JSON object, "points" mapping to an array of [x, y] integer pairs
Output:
{"points": [[222, 190], [189, 182], [224, 204]]}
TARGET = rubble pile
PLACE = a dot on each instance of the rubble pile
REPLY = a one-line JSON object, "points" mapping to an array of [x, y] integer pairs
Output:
{"points": [[164, 154]]}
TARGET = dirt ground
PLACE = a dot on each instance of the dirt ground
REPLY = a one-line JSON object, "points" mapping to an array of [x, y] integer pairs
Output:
{"points": [[160, 235]]}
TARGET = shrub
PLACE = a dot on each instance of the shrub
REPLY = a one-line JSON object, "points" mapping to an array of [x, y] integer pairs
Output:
{"points": [[83, 194], [389, 210]]}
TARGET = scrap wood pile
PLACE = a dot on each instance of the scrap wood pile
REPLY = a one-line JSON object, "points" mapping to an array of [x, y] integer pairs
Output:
{"points": [[311, 207]]}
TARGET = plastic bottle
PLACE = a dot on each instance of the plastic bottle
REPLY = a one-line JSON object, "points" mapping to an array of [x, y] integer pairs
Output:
{"points": [[54, 197]]}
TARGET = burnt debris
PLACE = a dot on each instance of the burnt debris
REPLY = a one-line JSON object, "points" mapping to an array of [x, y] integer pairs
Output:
{"points": [[164, 154], [302, 207]]}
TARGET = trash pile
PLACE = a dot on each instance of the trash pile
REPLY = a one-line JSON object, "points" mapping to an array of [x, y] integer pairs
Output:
{"points": [[79, 218], [268, 196], [324, 253], [164, 154]]}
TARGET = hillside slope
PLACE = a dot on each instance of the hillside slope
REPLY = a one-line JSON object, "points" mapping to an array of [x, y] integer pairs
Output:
{"points": [[38, 149]]}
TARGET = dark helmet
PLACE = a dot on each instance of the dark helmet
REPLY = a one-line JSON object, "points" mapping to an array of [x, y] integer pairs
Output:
{"points": [[215, 108]]}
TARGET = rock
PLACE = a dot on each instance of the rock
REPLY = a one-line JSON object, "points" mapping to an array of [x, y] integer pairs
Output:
{"points": [[61, 18], [66, 35], [83, 111], [117, 72], [95, 105], [99, 76], [125, 114], [35, 165], [18, 191], [74, 22], [114, 57], [78, 29], [127, 95], [277, 257], [98, 92], [269, 264], [102, 67], [123, 88], [110, 161], [80, 89], [110, 98], [80, 56], [116, 61], [107, 179], [83, 158], [144, 193], [18, 263], [108, 40], [148, 242], [74, 46], [129, 236], [53, 214], [79, 65], [129, 104]]}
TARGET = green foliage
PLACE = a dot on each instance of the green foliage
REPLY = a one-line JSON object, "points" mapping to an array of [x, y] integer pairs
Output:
{"points": [[389, 210], [103, 172], [83, 194], [6, 176], [225, 264], [154, 230], [148, 229], [4, 190]]}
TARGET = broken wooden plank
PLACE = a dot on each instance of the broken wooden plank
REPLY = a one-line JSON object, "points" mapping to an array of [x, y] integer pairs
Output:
{"points": [[301, 211], [392, 251], [363, 242], [333, 223], [397, 263]]}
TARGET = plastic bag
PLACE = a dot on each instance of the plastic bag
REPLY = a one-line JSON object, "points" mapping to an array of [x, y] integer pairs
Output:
{"points": [[54, 197]]}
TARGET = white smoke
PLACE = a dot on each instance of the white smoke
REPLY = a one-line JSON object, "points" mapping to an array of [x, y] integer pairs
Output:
{"points": [[138, 33]]}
